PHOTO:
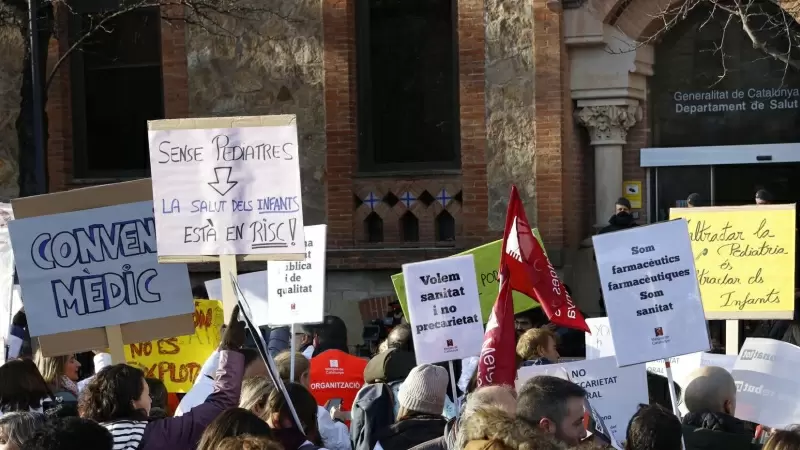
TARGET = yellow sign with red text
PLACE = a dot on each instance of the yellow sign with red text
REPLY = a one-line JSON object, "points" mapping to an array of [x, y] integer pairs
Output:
{"points": [[177, 361]]}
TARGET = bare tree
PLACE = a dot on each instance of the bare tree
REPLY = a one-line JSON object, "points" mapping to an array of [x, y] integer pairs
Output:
{"points": [[210, 15], [770, 26]]}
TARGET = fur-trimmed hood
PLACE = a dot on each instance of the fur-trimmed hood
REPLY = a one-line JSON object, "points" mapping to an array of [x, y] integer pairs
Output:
{"points": [[494, 426]]}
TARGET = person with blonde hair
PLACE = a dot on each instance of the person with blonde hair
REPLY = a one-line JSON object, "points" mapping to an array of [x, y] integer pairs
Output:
{"points": [[537, 346], [784, 440], [248, 442], [333, 432], [255, 391], [61, 374]]}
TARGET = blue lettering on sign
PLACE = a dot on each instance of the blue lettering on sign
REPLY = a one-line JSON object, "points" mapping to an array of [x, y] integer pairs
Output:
{"points": [[95, 243], [93, 293]]}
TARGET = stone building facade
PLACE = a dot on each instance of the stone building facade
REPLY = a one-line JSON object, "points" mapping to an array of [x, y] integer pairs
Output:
{"points": [[555, 100]]}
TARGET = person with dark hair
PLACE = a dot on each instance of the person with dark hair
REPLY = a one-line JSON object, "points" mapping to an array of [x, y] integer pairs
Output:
{"points": [[22, 387], [284, 429], [119, 399], [231, 423], [622, 218], [159, 394], [658, 390], [764, 197], [71, 433], [555, 406], [335, 387], [254, 366], [247, 442], [693, 201], [526, 320], [653, 428], [16, 428]]}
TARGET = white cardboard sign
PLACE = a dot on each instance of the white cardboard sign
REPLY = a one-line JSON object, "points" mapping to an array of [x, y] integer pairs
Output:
{"points": [[254, 286], [95, 268], [444, 309], [767, 386], [651, 294], [615, 391], [227, 191], [600, 344], [297, 288]]}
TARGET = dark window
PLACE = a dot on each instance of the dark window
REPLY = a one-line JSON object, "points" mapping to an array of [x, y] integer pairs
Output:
{"points": [[116, 88], [408, 117]]}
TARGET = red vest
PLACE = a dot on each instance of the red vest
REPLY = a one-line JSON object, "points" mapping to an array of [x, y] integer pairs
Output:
{"points": [[336, 375]]}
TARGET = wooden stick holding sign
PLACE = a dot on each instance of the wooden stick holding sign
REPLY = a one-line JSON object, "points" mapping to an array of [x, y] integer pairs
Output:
{"points": [[227, 189], [89, 273]]}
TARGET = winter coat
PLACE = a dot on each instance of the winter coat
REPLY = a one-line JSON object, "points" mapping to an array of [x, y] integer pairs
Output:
{"points": [[183, 433], [410, 432], [444, 442], [706, 430]]}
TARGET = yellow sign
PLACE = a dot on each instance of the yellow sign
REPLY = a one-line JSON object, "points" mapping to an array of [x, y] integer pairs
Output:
{"points": [[632, 190], [487, 264], [745, 258], [177, 361]]}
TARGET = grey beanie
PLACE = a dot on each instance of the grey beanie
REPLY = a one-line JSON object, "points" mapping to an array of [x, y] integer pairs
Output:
{"points": [[424, 389]]}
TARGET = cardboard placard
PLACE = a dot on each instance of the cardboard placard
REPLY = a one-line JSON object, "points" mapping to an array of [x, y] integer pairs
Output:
{"points": [[103, 337]]}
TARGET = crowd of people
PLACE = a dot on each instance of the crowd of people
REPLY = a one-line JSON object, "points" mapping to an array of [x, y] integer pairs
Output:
{"points": [[396, 404]]}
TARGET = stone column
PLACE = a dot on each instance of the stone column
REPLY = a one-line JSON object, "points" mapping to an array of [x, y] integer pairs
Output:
{"points": [[608, 126]]}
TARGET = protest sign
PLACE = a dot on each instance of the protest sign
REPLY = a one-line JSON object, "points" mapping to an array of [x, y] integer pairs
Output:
{"points": [[9, 306], [767, 386], [600, 344], [296, 290], [745, 259], [246, 313], [443, 309], [487, 260], [87, 264], [595, 426], [254, 286], [177, 361], [616, 391], [650, 290], [227, 186]]}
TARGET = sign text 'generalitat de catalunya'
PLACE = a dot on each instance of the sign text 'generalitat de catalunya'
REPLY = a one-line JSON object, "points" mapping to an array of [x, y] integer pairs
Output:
{"points": [[95, 268], [223, 191]]}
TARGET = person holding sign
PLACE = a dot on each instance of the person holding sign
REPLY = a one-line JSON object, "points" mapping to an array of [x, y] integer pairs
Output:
{"points": [[119, 399]]}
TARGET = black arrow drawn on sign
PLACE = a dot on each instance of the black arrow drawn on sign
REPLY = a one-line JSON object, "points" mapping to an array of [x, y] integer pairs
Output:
{"points": [[222, 184]]}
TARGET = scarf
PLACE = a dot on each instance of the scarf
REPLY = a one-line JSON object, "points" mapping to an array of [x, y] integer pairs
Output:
{"points": [[69, 385]]}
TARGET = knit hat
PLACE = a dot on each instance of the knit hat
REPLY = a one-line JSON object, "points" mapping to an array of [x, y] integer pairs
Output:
{"points": [[424, 389]]}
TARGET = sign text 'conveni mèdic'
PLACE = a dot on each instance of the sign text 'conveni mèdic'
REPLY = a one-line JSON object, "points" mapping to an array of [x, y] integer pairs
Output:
{"points": [[222, 191], [95, 268]]}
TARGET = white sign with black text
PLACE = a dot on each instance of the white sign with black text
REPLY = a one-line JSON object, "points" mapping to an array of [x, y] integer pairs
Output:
{"points": [[615, 391], [297, 288], [443, 308], [651, 294], [227, 191]]}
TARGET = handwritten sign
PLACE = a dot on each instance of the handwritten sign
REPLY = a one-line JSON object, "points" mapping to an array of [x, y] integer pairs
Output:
{"points": [[443, 309], [487, 260], [297, 288], [745, 257], [254, 286], [227, 186], [95, 268], [650, 289], [177, 361]]}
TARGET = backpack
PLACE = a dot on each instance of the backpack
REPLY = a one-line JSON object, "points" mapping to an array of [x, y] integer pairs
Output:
{"points": [[372, 412]]}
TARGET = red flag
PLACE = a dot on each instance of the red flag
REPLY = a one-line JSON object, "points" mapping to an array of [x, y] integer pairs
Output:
{"points": [[530, 271], [498, 361]]}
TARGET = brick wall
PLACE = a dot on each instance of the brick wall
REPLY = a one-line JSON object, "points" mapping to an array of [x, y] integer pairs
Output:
{"points": [[346, 235], [551, 130], [59, 103]]}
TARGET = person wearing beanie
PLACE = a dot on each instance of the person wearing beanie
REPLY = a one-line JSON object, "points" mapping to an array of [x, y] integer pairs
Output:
{"points": [[421, 398]]}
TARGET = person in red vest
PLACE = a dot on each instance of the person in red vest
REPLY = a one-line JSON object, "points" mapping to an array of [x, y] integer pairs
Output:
{"points": [[336, 375]]}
